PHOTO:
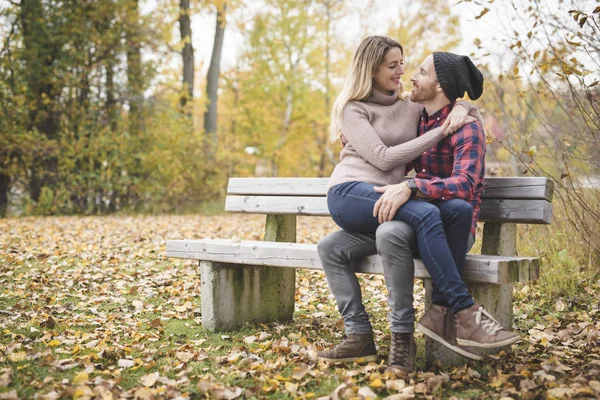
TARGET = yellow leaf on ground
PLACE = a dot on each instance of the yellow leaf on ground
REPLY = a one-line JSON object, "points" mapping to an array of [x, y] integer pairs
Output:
{"points": [[83, 393], [376, 383], [80, 378], [53, 343], [18, 356]]}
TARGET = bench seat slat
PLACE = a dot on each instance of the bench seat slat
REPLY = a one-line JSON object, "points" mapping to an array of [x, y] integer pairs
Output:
{"points": [[495, 187], [492, 210], [485, 269]]}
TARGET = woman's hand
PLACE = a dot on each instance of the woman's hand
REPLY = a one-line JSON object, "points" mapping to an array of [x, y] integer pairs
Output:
{"points": [[457, 118]]}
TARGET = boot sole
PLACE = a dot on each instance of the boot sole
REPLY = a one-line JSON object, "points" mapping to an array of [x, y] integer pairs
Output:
{"points": [[441, 340], [470, 343], [357, 360]]}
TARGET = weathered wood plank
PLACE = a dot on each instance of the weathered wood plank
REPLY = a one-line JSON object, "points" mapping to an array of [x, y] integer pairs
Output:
{"points": [[277, 205], [492, 210], [278, 186], [518, 188], [516, 211], [488, 269], [495, 187]]}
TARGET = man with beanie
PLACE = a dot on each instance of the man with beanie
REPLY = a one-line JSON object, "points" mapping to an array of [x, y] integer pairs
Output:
{"points": [[452, 171]]}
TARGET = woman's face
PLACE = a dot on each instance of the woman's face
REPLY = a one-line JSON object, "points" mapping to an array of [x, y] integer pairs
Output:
{"points": [[386, 77]]}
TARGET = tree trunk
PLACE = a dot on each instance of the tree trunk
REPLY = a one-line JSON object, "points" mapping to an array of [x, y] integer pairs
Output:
{"points": [[325, 134], [212, 79], [40, 54], [4, 190], [134, 69], [187, 53], [111, 101]]}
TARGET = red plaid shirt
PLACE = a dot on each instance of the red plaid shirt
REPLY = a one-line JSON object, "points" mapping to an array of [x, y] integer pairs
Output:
{"points": [[455, 167]]}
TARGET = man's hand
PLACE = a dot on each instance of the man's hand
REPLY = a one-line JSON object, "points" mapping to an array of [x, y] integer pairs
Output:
{"points": [[392, 199], [457, 118]]}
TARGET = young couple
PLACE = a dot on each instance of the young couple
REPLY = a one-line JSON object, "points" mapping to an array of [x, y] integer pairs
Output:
{"points": [[432, 216]]}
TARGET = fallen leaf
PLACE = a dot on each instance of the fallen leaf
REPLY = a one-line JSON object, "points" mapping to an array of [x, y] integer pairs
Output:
{"points": [[80, 377], [366, 393], [6, 377], [143, 393], [125, 363], [395, 385], [300, 371], [18, 356], [83, 392], [150, 379], [184, 356], [559, 393], [434, 383], [291, 387], [250, 339], [12, 395]]}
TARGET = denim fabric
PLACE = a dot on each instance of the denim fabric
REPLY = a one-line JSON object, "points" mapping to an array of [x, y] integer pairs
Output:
{"points": [[351, 207]]}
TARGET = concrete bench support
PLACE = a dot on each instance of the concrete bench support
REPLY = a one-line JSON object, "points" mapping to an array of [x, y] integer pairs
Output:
{"points": [[233, 294]]}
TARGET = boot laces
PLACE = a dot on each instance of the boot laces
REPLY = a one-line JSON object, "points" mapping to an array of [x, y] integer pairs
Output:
{"points": [[399, 350], [489, 324]]}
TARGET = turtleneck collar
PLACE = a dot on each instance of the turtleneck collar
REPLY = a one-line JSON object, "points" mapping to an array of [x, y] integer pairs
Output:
{"points": [[385, 99]]}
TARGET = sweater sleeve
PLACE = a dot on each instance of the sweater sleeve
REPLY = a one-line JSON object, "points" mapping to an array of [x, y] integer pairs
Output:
{"points": [[359, 133]]}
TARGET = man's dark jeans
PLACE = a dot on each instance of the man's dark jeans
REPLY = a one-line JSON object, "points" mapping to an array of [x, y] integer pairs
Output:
{"points": [[442, 226]]}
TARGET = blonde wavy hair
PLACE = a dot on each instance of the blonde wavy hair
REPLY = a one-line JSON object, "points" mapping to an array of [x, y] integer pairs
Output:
{"points": [[359, 78]]}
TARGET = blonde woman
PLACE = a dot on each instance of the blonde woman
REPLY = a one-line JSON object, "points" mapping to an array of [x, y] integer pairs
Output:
{"points": [[379, 133]]}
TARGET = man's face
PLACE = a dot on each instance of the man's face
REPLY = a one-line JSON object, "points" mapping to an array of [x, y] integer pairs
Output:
{"points": [[424, 82]]}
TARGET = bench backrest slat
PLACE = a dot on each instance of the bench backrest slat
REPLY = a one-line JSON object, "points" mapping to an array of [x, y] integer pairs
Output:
{"points": [[498, 210], [495, 187], [505, 200]]}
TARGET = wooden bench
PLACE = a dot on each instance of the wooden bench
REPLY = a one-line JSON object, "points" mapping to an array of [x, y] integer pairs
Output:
{"points": [[250, 281]]}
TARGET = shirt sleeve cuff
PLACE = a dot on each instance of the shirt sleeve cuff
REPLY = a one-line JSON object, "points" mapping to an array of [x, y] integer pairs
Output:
{"points": [[423, 185]]}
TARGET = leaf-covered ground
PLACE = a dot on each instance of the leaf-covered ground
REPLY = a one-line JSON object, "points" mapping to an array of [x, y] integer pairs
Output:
{"points": [[91, 308]]}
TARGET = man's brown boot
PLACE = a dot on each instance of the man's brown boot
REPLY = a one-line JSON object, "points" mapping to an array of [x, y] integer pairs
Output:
{"points": [[356, 348], [439, 324], [403, 351], [475, 327]]}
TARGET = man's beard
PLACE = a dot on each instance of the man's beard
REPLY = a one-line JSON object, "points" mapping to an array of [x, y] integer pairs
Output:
{"points": [[423, 93]]}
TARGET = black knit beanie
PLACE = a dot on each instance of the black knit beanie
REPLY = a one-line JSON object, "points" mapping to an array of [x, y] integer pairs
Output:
{"points": [[457, 75]]}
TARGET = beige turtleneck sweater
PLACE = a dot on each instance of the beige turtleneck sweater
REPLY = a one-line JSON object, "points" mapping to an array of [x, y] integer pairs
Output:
{"points": [[380, 136]]}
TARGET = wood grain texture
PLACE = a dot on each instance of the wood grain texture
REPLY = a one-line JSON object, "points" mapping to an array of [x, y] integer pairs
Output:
{"points": [[492, 210], [485, 269], [495, 187]]}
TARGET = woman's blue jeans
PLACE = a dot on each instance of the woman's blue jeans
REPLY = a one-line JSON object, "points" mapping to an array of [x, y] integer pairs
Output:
{"points": [[442, 227]]}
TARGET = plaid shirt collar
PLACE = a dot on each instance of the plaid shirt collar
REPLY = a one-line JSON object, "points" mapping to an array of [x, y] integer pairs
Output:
{"points": [[440, 115]]}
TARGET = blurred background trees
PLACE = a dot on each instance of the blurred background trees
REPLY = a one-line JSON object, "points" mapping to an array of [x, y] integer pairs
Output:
{"points": [[105, 107]]}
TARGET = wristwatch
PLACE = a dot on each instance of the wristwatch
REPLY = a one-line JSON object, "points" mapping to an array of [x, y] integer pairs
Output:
{"points": [[412, 186]]}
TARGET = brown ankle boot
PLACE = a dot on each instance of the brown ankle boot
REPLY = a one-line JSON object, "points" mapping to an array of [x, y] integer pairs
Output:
{"points": [[439, 324], [475, 327], [403, 351], [356, 348]]}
